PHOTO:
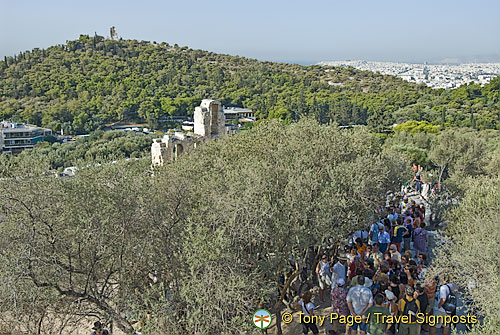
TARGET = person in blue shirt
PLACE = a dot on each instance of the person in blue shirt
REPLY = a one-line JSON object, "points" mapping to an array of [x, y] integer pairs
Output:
{"points": [[384, 239], [374, 229]]}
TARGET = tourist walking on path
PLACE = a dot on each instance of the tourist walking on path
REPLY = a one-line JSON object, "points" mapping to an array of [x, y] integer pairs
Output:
{"points": [[446, 304], [374, 229], [339, 271], [397, 234], [393, 307], [339, 301], [308, 310], [425, 307], [407, 235], [384, 239], [409, 307], [420, 239], [375, 257], [324, 276], [395, 253], [376, 314]]}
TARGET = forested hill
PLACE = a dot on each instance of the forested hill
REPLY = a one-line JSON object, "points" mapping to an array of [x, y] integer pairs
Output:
{"points": [[86, 83]]}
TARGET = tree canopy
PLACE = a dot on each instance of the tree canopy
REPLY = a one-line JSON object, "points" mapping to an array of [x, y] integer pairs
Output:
{"points": [[468, 253], [91, 81], [221, 225]]}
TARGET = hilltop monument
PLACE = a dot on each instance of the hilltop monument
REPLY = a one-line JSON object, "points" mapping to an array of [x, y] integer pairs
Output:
{"points": [[209, 123], [112, 34]]}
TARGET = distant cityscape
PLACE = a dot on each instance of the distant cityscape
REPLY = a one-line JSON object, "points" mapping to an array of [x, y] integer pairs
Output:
{"points": [[433, 75]]}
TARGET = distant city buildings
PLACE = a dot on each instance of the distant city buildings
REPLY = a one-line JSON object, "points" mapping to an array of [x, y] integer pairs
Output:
{"points": [[16, 137], [435, 75]]}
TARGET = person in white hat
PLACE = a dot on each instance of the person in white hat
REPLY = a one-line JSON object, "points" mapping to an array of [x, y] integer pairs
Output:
{"points": [[392, 306], [339, 270]]}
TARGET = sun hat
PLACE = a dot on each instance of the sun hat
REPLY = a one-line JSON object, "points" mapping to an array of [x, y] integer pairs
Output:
{"points": [[389, 294]]}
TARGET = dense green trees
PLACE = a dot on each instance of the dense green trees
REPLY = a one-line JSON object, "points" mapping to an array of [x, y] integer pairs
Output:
{"points": [[452, 153], [210, 236], [100, 147], [86, 83], [217, 229], [469, 250]]}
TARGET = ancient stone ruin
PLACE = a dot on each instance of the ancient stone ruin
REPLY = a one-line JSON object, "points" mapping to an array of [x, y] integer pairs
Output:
{"points": [[209, 123]]}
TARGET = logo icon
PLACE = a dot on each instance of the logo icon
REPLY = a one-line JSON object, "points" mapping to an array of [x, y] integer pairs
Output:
{"points": [[262, 319]]}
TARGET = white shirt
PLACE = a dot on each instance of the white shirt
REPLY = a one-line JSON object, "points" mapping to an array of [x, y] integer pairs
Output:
{"points": [[383, 237], [309, 305], [337, 273], [444, 291], [359, 297]]}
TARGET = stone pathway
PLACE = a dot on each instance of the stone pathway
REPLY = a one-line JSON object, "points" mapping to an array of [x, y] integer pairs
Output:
{"points": [[324, 309]]}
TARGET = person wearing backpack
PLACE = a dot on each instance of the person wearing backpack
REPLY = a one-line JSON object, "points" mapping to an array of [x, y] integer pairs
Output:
{"points": [[308, 309], [446, 304], [409, 307], [398, 231], [407, 235]]}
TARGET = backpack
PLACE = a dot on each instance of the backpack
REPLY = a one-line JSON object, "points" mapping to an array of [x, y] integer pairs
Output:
{"points": [[450, 305], [407, 234], [411, 309]]}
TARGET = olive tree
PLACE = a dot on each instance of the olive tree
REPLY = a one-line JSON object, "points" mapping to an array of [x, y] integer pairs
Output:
{"points": [[458, 151], [469, 252], [77, 249], [260, 201], [195, 246]]}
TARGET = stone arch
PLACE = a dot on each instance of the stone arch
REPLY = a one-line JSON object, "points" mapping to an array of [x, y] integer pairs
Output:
{"points": [[178, 149]]}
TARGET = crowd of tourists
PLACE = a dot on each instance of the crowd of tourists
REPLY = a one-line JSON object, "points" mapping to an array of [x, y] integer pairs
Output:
{"points": [[382, 270]]}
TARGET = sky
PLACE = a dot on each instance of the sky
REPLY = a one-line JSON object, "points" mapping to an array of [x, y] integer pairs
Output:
{"points": [[303, 32]]}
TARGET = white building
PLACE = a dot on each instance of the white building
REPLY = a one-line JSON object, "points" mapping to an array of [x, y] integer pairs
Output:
{"points": [[232, 113]]}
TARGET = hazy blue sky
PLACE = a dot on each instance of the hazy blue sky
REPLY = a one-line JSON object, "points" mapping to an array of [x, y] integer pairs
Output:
{"points": [[294, 31]]}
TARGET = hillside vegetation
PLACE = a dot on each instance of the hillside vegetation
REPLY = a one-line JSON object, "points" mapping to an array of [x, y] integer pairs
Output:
{"points": [[91, 81], [219, 225], [227, 223]]}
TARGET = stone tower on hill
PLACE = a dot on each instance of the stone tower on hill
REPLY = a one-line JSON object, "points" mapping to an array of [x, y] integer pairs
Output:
{"points": [[112, 34]]}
